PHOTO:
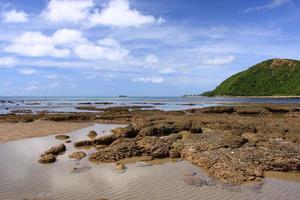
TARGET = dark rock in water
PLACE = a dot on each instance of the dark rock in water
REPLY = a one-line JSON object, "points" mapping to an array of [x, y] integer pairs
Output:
{"points": [[84, 143], [55, 150], [197, 180], [77, 155], [62, 137], [68, 141], [194, 180], [92, 134], [48, 158], [104, 103], [77, 170]]}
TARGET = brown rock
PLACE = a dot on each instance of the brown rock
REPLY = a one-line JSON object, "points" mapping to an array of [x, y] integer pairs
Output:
{"points": [[84, 143], [174, 154], [48, 158], [77, 155], [120, 166], [92, 134], [62, 137], [55, 150]]}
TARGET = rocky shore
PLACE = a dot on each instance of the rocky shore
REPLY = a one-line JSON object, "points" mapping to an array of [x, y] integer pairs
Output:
{"points": [[232, 143]]}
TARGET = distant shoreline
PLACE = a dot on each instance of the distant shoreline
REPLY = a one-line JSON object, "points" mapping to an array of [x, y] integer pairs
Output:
{"points": [[262, 97]]}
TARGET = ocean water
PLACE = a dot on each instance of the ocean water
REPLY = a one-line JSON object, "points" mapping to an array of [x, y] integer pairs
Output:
{"points": [[68, 104]]}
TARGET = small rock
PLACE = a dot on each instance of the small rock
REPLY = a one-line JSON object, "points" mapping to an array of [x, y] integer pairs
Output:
{"points": [[92, 134], [55, 150], [120, 166], [62, 137], [77, 155], [68, 141], [48, 158]]}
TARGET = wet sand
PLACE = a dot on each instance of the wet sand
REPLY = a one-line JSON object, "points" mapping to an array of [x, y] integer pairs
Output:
{"points": [[21, 176], [16, 131]]}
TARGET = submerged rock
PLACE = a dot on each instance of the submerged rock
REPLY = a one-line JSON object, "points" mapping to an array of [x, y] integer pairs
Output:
{"points": [[77, 155], [62, 137], [82, 169]]}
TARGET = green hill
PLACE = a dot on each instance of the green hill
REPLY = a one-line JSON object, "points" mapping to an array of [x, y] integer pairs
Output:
{"points": [[275, 77]]}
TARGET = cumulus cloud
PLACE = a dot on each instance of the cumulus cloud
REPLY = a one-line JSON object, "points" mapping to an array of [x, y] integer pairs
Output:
{"points": [[67, 11], [27, 71], [154, 79], [219, 60], [36, 44], [14, 16], [270, 5], [64, 43], [118, 13]]}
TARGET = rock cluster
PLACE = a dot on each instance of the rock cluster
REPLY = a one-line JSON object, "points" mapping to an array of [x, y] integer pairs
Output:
{"points": [[49, 155]]}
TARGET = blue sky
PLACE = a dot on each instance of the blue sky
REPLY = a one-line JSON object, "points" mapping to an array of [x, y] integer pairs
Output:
{"points": [[138, 47]]}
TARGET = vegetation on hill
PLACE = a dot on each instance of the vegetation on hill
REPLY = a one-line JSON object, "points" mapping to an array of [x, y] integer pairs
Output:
{"points": [[275, 77]]}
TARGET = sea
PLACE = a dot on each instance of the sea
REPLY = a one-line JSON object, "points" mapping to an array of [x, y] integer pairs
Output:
{"points": [[69, 104]]}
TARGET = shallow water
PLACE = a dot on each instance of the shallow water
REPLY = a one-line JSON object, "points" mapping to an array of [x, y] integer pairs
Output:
{"points": [[68, 104], [21, 176]]}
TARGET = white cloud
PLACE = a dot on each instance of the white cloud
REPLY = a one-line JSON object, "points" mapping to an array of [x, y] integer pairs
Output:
{"points": [[271, 5], [152, 59], [63, 43], [14, 16], [38, 50], [69, 11], [118, 13], [36, 44], [220, 60], [154, 79], [27, 71], [104, 49], [7, 61], [68, 36]]}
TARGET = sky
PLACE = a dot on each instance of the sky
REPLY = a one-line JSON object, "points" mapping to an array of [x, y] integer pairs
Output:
{"points": [[138, 47]]}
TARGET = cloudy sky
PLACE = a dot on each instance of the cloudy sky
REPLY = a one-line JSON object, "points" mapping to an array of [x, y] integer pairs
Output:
{"points": [[138, 47]]}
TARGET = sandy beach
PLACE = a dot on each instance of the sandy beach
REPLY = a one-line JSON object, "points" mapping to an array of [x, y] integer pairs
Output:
{"points": [[17, 131]]}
